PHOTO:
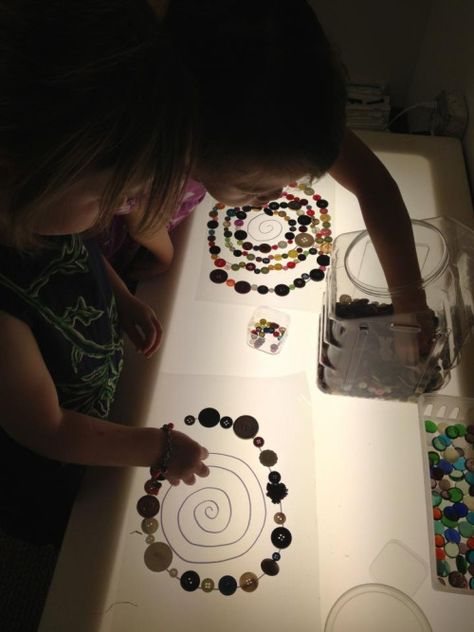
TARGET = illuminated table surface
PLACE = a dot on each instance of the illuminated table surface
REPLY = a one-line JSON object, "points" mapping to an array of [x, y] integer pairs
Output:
{"points": [[368, 500]]}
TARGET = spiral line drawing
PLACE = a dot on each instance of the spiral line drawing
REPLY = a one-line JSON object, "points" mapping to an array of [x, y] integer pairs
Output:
{"points": [[262, 227], [220, 518]]}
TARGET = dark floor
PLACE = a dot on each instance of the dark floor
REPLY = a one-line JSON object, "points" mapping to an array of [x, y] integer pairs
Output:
{"points": [[25, 574]]}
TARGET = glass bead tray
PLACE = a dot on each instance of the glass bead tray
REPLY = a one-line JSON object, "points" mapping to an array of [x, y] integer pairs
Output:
{"points": [[447, 430]]}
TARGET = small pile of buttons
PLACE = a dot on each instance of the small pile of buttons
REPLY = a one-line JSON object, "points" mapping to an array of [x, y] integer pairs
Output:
{"points": [[306, 236], [159, 555], [265, 334], [451, 467]]}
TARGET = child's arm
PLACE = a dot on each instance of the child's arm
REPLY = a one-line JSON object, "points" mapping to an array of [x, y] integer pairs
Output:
{"points": [[137, 319], [385, 216], [159, 248], [31, 415]]}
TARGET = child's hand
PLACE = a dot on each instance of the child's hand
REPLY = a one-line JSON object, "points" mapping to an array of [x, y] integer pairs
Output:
{"points": [[140, 323], [186, 460], [414, 328]]}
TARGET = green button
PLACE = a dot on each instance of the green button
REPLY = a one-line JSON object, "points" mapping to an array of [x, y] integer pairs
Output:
{"points": [[452, 432], [455, 494], [466, 529], [430, 426]]}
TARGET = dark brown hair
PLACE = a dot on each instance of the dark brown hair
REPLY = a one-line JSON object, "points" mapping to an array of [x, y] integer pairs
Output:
{"points": [[89, 85], [271, 89]]}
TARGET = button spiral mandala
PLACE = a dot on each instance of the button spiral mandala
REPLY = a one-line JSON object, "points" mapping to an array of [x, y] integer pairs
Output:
{"points": [[204, 522], [278, 238]]}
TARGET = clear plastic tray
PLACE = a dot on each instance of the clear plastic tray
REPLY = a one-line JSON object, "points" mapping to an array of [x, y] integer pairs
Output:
{"points": [[447, 430]]}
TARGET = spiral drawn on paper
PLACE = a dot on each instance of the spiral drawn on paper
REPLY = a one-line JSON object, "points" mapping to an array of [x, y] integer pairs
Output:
{"points": [[220, 518], [262, 227]]}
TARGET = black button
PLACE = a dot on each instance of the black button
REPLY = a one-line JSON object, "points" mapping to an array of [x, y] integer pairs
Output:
{"points": [[148, 506], [281, 537], [265, 248], [274, 206], [214, 250], [241, 214], [274, 477], [316, 275], [269, 567], [298, 282], [226, 422], [189, 420], [242, 287], [322, 203], [289, 236], [246, 427], [262, 289], [323, 260], [190, 581], [304, 220], [294, 205], [282, 290], [218, 276], [209, 417], [227, 585], [212, 224], [240, 235]]}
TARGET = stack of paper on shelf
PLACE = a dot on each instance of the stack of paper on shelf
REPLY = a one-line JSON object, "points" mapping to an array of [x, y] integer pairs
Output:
{"points": [[368, 105]]}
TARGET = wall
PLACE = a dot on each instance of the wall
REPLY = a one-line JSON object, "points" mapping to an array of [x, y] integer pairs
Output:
{"points": [[377, 39], [446, 61]]}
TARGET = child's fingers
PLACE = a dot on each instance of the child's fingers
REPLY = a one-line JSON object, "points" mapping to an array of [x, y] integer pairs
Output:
{"points": [[189, 480], [150, 336], [202, 470], [135, 336], [156, 325]]}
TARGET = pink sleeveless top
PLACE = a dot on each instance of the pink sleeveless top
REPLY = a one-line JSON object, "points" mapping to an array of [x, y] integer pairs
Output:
{"points": [[116, 241]]}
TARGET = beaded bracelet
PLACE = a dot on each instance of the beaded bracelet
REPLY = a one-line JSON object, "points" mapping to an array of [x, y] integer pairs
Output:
{"points": [[158, 471]]}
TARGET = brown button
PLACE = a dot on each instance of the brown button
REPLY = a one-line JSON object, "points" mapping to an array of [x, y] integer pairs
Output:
{"points": [[207, 585], [158, 557], [305, 240], [248, 582], [149, 525], [279, 518], [246, 427], [268, 458], [148, 506], [269, 567]]}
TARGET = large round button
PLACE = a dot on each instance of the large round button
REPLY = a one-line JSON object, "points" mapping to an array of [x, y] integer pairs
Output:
{"points": [[242, 287], [245, 427], [190, 581], [158, 556], [268, 458], [148, 506], [282, 290], [305, 240], [209, 417], [218, 275], [248, 582], [227, 585], [281, 537], [316, 275]]}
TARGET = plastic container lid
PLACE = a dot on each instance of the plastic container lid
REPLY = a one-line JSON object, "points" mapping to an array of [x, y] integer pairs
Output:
{"points": [[376, 607]]}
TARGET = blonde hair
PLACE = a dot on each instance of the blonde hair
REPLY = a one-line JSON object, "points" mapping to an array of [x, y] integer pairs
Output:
{"points": [[89, 85]]}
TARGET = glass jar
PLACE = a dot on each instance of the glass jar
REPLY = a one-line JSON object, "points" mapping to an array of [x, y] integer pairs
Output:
{"points": [[365, 349]]}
